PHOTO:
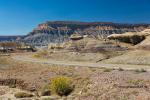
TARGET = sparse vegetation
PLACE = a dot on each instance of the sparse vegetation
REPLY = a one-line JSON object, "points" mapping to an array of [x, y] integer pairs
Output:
{"points": [[107, 70], [51, 98], [140, 70], [42, 54], [4, 60], [23, 95], [135, 81], [62, 85], [120, 69], [90, 82], [47, 99]]}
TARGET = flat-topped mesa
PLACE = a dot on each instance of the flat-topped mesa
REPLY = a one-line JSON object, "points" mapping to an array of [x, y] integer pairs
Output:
{"points": [[60, 31]]}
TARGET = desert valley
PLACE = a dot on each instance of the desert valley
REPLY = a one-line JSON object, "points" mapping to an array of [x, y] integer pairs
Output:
{"points": [[64, 60]]}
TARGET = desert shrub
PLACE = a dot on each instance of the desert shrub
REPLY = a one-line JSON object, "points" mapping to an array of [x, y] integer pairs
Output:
{"points": [[42, 53], [143, 70], [23, 95], [140, 70], [120, 69], [107, 70], [61, 86], [135, 81]]}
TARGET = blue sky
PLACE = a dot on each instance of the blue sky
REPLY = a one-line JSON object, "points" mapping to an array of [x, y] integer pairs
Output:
{"points": [[18, 17]]}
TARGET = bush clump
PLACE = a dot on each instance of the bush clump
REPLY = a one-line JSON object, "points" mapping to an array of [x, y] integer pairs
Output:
{"points": [[120, 69], [107, 70], [140, 70], [61, 86], [23, 95]]}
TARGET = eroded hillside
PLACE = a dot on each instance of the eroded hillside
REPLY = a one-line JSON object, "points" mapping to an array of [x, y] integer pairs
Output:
{"points": [[60, 31]]}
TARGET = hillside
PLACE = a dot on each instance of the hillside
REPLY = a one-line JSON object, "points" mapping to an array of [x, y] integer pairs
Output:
{"points": [[59, 31]]}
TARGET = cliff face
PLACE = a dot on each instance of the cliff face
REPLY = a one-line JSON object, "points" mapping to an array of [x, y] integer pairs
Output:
{"points": [[59, 31]]}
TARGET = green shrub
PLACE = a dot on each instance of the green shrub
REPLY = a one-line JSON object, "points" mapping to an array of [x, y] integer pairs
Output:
{"points": [[23, 95], [62, 86]]}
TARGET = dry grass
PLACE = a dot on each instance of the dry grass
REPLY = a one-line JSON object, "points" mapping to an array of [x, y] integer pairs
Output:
{"points": [[42, 54], [4, 60], [136, 81], [23, 95]]}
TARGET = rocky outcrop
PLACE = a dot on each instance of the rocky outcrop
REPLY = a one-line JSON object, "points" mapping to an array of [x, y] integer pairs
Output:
{"points": [[141, 38], [60, 31]]}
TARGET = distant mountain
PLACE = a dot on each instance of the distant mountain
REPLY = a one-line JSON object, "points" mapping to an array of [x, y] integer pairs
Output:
{"points": [[9, 38], [59, 31]]}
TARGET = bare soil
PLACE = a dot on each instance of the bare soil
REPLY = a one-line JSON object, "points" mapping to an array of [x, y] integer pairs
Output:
{"points": [[90, 83]]}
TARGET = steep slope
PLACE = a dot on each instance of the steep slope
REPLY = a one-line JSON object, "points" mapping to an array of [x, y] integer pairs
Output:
{"points": [[146, 43], [59, 31]]}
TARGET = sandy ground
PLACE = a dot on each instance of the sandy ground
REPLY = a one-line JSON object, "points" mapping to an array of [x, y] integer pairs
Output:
{"points": [[134, 57], [30, 58], [91, 80]]}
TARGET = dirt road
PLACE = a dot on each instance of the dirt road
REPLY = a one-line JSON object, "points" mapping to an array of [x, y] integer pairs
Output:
{"points": [[29, 58]]}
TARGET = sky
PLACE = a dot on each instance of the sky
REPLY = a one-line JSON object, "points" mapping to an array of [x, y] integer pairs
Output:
{"points": [[19, 17]]}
